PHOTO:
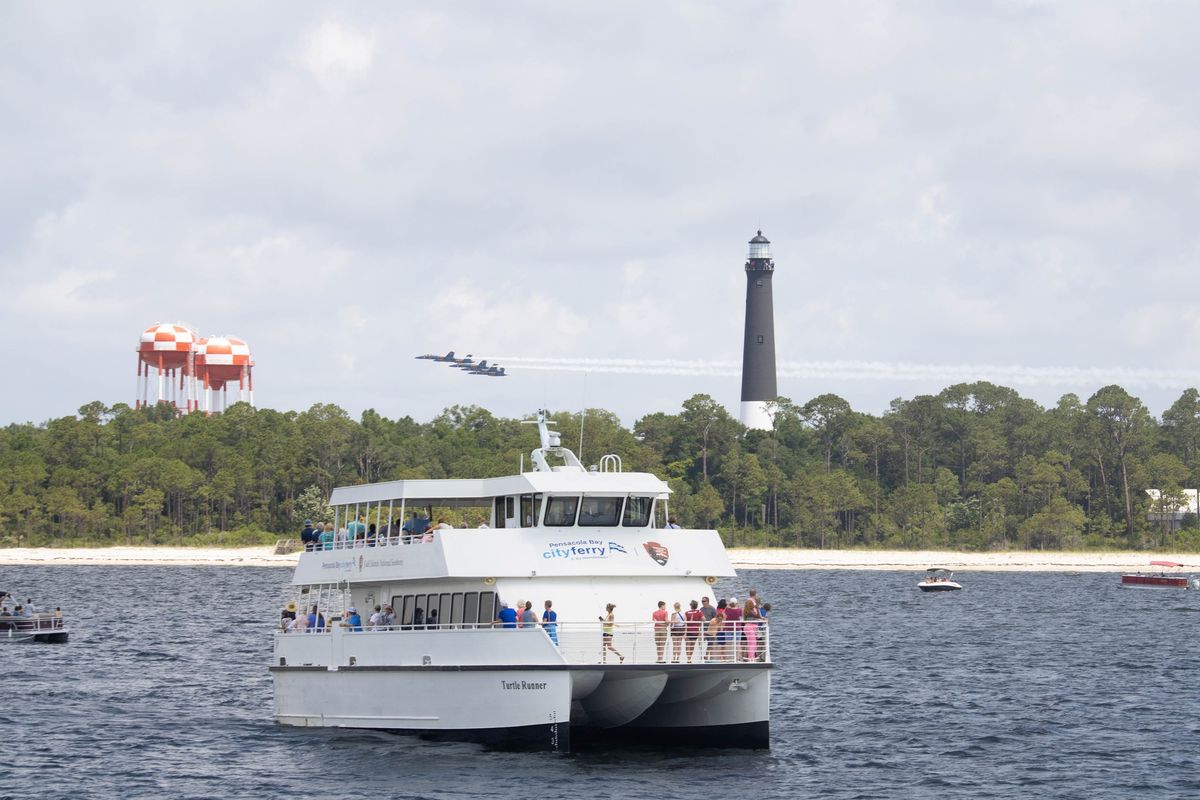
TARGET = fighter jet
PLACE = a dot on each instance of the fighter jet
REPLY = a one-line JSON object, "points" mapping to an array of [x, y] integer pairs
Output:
{"points": [[468, 366], [490, 372], [448, 358]]}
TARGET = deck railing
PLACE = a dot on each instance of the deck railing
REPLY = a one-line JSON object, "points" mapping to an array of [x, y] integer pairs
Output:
{"points": [[585, 643]]}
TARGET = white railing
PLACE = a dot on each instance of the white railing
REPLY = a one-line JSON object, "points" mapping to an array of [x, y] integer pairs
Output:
{"points": [[585, 642], [377, 541]]}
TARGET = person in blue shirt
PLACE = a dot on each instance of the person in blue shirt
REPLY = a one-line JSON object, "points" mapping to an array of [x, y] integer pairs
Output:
{"points": [[316, 621], [507, 617], [354, 621], [550, 622]]}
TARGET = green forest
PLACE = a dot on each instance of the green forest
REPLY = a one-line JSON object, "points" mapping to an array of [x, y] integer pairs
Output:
{"points": [[975, 467]]}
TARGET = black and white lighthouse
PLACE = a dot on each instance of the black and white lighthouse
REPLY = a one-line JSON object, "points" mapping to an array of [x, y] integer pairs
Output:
{"points": [[758, 351]]}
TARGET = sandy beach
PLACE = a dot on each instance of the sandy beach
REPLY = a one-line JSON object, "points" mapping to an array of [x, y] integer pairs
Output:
{"points": [[904, 561]]}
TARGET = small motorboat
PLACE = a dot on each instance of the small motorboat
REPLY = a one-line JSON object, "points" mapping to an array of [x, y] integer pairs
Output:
{"points": [[938, 579], [21, 623], [1161, 579]]}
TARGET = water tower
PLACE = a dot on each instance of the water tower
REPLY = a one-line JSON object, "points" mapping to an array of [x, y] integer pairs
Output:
{"points": [[168, 350], [220, 360]]}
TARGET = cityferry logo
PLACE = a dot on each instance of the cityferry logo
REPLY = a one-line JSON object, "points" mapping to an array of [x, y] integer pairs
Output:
{"points": [[657, 552], [582, 549]]}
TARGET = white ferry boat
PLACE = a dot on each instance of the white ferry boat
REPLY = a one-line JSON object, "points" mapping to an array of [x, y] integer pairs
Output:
{"points": [[447, 668]]}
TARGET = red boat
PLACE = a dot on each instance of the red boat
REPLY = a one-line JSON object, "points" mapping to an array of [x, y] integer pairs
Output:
{"points": [[1160, 580]]}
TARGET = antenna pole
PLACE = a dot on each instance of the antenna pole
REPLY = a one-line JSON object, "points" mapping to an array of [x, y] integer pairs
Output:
{"points": [[582, 416]]}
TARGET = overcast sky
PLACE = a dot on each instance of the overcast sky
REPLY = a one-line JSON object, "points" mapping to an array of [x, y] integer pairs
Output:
{"points": [[1002, 191]]}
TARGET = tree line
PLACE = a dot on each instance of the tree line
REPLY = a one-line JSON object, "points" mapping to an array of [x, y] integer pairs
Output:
{"points": [[975, 467]]}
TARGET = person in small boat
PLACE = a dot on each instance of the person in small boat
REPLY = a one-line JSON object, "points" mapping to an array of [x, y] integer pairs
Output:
{"points": [[550, 622], [659, 618], [507, 618], [607, 629], [672, 524]]}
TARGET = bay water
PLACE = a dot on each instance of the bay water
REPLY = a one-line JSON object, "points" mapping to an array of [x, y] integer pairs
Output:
{"points": [[1022, 685]]}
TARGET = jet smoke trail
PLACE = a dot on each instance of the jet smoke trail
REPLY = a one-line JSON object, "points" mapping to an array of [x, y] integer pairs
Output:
{"points": [[872, 370]]}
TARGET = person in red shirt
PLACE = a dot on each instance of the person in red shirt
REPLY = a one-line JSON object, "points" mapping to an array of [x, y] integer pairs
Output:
{"points": [[733, 624], [694, 617], [660, 630]]}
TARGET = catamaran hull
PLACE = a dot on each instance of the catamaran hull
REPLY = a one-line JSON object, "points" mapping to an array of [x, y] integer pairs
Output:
{"points": [[536, 707]]}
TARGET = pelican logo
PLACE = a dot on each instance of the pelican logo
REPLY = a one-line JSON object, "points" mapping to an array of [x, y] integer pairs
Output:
{"points": [[657, 552]]}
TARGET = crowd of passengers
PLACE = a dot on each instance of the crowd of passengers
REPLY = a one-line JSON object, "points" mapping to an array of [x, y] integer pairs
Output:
{"points": [[705, 633], [357, 533]]}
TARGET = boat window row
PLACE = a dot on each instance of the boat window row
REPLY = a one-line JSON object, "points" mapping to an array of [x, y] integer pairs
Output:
{"points": [[512, 511], [445, 608]]}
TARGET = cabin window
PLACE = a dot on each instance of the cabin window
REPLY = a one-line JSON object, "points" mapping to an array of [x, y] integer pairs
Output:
{"points": [[471, 608], [420, 607], [531, 509], [456, 609], [406, 611], [487, 607], [432, 610], [444, 609], [601, 512], [560, 511], [637, 512]]}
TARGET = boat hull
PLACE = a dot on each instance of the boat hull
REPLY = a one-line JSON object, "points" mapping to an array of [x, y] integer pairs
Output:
{"points": [[939, 587], [543, 707], [1155, 582]]}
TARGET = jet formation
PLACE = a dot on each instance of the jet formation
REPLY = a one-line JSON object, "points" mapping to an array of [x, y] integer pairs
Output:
{"points": [[467, 364]]}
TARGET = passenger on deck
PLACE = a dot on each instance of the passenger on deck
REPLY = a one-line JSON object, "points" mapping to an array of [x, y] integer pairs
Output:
{"points": [[733, 625], [340, 537], [371, 535], [419, 619], [529, 616], [750, 630], [316, 621], [678, 627], [389, 617], [326, 537], [354, 621], [357, 529], [695, 620], [375, 621], [507, 617], [607, 629], [550, 622], [659, 617], [719, 651], [672, 524], [710, 639], [442, 525], [299, 624], [431, 621], [308, 536]]}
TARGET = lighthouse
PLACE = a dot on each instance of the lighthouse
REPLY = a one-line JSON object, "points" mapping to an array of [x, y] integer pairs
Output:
{"points": [[758, 350]]}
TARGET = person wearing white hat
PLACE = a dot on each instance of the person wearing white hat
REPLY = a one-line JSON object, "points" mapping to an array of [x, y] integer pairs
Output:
{"points": [[353, 621]]}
